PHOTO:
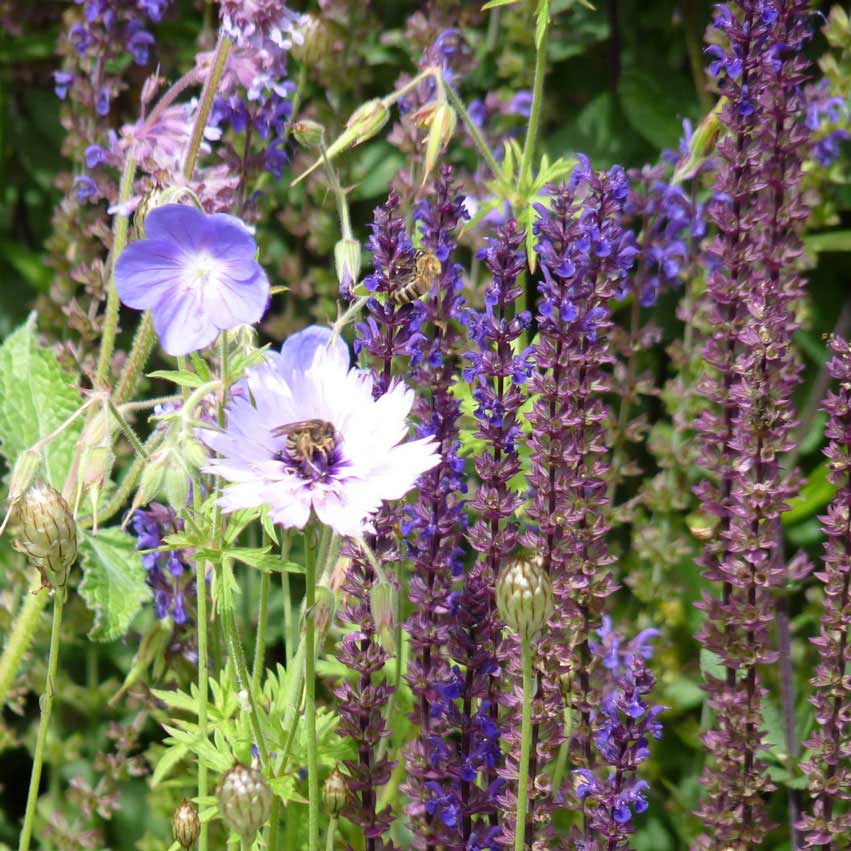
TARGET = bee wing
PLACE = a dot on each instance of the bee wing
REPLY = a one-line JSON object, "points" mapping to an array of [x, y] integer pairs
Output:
{"points": [[289, 428]]}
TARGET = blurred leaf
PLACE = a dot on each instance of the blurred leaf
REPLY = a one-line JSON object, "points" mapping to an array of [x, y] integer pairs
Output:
{"points": [[37, 397], [835, 240], [654, 107], [113, 585], [684, 694], [373, 170], [711, 664], [494, 4], [814, 495], [28, 264]]}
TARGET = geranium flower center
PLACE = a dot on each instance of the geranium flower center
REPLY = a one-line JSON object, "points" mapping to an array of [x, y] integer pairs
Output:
{"points": [[201, 270]]}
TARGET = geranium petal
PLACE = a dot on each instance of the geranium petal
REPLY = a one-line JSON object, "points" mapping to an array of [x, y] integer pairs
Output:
{"points": [[147, 272], [182, 325], [178, 223]]}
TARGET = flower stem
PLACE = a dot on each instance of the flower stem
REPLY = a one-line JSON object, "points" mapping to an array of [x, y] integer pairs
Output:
{"points": [[535, 112], [21, 637], [260, 643], [310, 696], [143, 344], [119, 240], [274, 819], [46, 704], [208, 94], [525, 748], [332, 829], [201, 626], [479, 140]]}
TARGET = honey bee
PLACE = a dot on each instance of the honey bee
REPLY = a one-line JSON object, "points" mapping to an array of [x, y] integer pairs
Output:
{"points": [[308, 440], [427, 268]]}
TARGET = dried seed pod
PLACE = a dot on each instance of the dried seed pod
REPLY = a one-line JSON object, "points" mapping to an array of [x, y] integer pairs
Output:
{"points": [[524, 597], [245, 800], [185, 824], [335, 793], [47, 533]]}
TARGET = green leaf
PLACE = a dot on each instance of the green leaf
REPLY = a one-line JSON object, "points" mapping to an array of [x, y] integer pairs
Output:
{"points": [[181, 377], [542, 21], [835, 240], [113, 585], [814, 495], [653, 109], [169, 760], [495, 4], [711, 664], [36, 397]]}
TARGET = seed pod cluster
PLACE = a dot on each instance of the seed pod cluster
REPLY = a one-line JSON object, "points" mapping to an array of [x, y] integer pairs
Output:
{"points": [[47, 533], [245, 800], [524, 597]]}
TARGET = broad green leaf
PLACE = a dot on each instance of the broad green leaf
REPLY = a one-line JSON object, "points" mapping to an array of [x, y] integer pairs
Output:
{"points": [[113, 585], [711, 664], [36, 397], [814, 495], [654, 110]]}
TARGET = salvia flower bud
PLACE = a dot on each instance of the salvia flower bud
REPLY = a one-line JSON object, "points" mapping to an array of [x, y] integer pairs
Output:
{"points": [[335, 793], [47, 533], [524, 597], [245, 800], [185, 824]]}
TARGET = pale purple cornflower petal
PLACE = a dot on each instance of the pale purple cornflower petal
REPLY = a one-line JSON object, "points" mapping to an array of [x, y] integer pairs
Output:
{"points": [[197, 273], [364, 461]]}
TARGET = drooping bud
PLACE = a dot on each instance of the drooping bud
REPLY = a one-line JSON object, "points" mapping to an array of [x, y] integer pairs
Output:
{"points": [[307, 133], [47, 533], [185, 824], [245, 800], [701, 145], [313, 40], [158, 197], [524, 597], [363, 124], [324, 610], [441, 128], [335, 793], [347, 259]]}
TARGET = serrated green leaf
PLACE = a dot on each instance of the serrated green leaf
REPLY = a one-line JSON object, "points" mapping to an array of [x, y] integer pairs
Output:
{"points": [[175, 699], [113, 585], [169, 759], [36, 397]]}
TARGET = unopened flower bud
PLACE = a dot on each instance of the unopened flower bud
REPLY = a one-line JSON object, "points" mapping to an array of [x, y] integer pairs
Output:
{"points": [[324, 610], [367, 120], [702, 526], [245, 800], [25, 469], [524, 597], [335, 793], [701, 145], [347, 259], [441, 128], [185, 825], [157, 197], [308, 133], [312, 41], [47, 533]]}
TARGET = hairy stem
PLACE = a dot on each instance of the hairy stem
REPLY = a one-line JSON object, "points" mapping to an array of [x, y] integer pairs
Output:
{"points": [[260, 643], [525, 748], [46, 703], [310, 696], [21, 637], [201, 627]]}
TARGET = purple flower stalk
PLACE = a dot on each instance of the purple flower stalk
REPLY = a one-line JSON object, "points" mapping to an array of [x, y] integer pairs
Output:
{"points": [[309, 437], [197, 274], [495, 374], [829, 766], [623, 727], [584, 253], [750, 290], [390, 331], [363, 701], [168, 573], [434, 528]]}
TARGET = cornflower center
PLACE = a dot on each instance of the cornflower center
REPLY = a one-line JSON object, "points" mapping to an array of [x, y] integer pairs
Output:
{"points": [[311, 449]]}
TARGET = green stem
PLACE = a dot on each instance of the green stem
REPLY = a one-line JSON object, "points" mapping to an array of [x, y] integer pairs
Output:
{"points": [[289, 633], [479, 140], [244, 682], [310, 697], [203, 691], [119, 240], [46, 704], [274, 819], [20, 638], [525, 747], [127, 429], [208, 95], [143, 345], [535, 113], [260, 643], [332, 830]]}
